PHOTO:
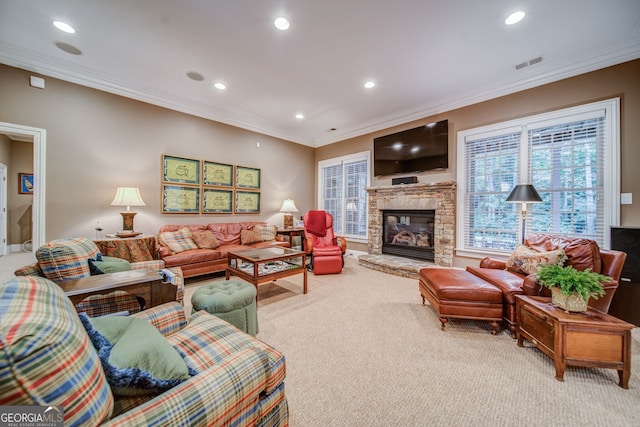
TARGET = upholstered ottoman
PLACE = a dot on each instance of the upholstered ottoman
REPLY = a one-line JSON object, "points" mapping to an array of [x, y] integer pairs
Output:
{"points": [[459, 294], [231, 300]]}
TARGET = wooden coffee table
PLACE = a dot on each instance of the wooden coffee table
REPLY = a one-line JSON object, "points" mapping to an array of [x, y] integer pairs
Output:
{"points": [[592, 339], [264, 265]]}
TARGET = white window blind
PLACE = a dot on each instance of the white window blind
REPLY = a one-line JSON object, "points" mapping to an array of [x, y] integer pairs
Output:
{"points": [[342, 193], [570, 156]]}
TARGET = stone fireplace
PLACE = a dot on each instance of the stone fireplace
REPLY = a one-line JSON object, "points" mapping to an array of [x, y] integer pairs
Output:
{"points": [[439, 197]]}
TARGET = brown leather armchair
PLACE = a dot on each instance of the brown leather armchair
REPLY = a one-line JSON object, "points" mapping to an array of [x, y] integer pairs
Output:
{"points": [[581, 254]]}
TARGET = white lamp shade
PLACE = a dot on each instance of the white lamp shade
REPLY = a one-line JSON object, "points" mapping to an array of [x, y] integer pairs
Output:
{"points": [[127, 196], [288, 206]]}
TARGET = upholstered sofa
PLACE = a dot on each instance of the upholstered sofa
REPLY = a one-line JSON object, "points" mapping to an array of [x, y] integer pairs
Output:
{"points": [[78, 257], [52, 356], [517, 274], [202, 248]]}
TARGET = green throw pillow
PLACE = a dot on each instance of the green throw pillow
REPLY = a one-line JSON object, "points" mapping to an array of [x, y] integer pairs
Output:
{"points": [[135, 357], [108, 264]]}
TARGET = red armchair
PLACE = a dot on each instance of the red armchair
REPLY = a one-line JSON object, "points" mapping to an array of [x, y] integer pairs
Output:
{"points": [[326, 250]]}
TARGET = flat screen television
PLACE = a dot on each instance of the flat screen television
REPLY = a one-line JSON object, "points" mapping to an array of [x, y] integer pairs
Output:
{"points": [[420, 149]]}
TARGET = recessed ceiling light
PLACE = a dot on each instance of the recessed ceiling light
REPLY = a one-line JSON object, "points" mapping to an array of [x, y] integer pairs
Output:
{"points": [[220, 86], [281, 23], [514, 18], [369, 84], [63, 26], [299, 116], [193, 75], [68, 48]]}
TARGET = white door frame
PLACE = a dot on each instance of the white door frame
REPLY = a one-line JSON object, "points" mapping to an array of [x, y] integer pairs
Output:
{"points": [[39, 137], [3, 209]]}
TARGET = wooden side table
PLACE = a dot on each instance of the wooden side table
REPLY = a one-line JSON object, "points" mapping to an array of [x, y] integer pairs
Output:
{"points": [[291, 233], [144, 283], [592, 339]]}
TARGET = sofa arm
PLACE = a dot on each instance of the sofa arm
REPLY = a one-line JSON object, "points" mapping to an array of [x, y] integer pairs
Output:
{"points": [[224, 394], [167, 318], [497, 264], [29, 270], [531, 287], [307, 245], [154, 265]]}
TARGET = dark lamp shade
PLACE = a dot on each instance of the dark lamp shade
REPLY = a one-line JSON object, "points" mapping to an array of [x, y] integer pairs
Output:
{"points": [[524, 193]]}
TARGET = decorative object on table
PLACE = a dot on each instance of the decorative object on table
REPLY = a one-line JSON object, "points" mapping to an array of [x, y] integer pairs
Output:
{"points": [[217, 174], [25, 183], [571, 288], [524, 193], [247, 202], [288, 206], [247, 177], [127, 196], [99, 228], [180, 199], [216, 200], [180, 170]]}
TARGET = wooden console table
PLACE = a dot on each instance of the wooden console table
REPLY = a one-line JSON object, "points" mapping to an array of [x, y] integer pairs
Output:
{"points": [[291, 233], [592, 339], [145, 283]]}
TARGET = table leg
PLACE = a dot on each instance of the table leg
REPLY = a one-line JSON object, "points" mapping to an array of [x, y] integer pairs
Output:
{"points": [[304, 272]]}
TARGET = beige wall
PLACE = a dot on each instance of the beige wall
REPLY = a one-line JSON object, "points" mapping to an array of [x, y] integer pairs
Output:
{"points": [[98, 141], [619, 81]]}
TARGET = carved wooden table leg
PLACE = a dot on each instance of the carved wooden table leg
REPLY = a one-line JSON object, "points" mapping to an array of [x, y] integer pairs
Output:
{"points": [[444, 321]]}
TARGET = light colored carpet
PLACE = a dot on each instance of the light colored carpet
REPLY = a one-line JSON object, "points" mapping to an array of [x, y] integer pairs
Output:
{"points": [[362, 350]]}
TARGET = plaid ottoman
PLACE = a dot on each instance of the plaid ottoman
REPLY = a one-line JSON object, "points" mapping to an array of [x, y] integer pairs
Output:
{"points": [[231, 300]]}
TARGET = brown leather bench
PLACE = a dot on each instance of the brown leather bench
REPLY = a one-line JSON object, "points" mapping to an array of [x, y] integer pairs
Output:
{"points": [[459, 294]]}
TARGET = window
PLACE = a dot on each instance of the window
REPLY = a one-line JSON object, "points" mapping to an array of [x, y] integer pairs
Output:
{"points": [[342, 192], [570, 156]]}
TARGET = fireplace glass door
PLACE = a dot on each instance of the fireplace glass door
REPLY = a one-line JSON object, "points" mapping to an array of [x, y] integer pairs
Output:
{"points": [[408, 233]]}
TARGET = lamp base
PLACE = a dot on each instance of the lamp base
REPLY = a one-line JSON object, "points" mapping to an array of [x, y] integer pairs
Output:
{"points": [[287, 221], [127, 220]]}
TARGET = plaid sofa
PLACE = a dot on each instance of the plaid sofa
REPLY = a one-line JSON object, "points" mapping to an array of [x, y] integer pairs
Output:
{"points": [[46, 358], [65, 259]]}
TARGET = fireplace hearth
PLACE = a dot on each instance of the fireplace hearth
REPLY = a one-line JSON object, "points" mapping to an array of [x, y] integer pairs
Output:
{"points": [[408, 233]]}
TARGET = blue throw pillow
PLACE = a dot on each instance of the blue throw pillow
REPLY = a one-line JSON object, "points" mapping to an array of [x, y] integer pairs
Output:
{"points": [[135, 357]]}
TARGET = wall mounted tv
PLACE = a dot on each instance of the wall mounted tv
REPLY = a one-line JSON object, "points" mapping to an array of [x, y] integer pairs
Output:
{"points": [[420, 149]]}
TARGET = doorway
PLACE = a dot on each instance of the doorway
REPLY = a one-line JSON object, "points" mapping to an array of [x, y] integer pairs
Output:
{"points": [[38, 137]]}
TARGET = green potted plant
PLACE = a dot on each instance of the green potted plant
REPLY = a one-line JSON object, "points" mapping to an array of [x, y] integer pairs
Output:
{"points": [[570, 288]]}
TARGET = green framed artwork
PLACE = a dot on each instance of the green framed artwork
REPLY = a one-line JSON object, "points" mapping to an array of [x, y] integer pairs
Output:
{"points": [[218, 174], [180, 199], [247, 177], [180, 170], [217, 201], [247, 202]]}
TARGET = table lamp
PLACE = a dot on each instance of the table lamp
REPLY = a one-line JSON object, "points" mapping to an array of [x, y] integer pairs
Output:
{"points": [[127, 196], [524, 193], [288, 206]]}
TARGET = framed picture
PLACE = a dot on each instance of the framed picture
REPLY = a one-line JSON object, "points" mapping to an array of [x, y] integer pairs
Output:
{"points": [[217, 201], [247, 202], [247, 177], [25, 183], [180, 199], [180, 170], [218, 174]]}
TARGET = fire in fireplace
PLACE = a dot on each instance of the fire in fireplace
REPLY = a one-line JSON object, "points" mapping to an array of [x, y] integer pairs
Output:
{"points": [[408, 233]]}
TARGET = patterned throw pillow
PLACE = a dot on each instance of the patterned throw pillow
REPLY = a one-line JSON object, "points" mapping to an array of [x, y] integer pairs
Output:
{"points": [[259, 233], [525, 260], [205, 239], [178, 241]]}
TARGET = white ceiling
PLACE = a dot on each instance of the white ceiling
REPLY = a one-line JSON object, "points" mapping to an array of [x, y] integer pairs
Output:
{"points": [[426, 56]]}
